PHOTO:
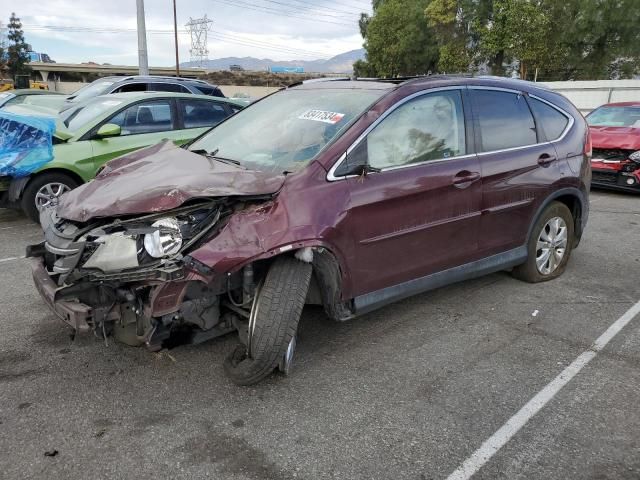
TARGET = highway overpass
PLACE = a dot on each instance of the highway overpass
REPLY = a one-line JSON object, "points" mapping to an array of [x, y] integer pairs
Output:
{"points": [[84, 68]]}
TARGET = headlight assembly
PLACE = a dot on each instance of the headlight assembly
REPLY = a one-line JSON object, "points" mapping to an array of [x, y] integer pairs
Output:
{"points": [[166, 240], [635, 156]]}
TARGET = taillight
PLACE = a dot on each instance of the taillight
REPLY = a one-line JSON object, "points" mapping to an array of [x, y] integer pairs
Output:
{"points": [[588, 146]]}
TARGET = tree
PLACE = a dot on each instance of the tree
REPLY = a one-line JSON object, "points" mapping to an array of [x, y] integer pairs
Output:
{"points": [[599, 38], [559, 39], [398, 40], [517, 31], [450, 23], [17, 50]]}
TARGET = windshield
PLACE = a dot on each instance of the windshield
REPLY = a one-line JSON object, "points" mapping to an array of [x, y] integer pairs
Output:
{"points": [[75, 118], [615, 117], [286, 130], [92, 90]]}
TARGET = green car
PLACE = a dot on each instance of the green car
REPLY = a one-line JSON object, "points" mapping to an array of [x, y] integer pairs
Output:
{"points": [[31, 96], [105, 127]]}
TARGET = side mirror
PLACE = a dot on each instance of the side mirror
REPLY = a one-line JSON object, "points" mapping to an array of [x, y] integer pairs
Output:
{"points": [[356, 162], [108, 130]]}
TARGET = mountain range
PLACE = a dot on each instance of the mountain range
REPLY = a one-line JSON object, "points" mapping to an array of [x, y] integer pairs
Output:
{"points": [[342, 63]]}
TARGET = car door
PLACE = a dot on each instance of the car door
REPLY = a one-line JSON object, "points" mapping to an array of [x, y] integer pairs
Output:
{"points": [[518, 166], [142, 124], [198, 115], [417, 210]]}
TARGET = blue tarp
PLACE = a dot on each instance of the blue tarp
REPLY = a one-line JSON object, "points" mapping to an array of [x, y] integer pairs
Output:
{"points": [[25, 143]]}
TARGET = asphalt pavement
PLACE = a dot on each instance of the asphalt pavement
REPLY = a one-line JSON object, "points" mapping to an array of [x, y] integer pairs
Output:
{"points": [[407, 392]]}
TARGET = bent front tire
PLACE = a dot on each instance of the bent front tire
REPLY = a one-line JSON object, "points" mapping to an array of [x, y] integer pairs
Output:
{"points": [[550, 245], [273, 325]]}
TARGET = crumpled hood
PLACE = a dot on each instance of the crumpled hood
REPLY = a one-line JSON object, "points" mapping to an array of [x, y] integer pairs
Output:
{"points": [[626, 138], [159, 178]]}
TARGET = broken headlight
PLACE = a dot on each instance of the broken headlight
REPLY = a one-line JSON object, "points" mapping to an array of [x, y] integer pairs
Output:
{"points": [[166, 240]]}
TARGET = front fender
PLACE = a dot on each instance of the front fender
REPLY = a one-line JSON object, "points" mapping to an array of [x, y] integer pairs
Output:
{"points": [[262, 232]]}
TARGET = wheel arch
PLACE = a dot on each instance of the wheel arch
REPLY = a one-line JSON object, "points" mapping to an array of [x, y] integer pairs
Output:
{"points": [[18, 185], [575, 200], [329, 272]]}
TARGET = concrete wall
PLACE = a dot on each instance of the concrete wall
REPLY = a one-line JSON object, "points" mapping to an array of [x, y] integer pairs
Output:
{"points": [[228, 90], [65, 87], [587, 95]]}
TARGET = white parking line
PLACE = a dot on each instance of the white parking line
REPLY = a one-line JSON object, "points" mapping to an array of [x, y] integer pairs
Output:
{"points": [[11, 259], [494, 443]]}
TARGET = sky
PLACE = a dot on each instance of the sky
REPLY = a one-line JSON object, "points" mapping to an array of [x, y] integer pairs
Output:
{"points": [[103, 31]]}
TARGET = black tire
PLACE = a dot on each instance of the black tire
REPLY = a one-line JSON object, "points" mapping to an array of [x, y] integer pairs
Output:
{"points": [[528, 271], [28, 200], [281, 300]]}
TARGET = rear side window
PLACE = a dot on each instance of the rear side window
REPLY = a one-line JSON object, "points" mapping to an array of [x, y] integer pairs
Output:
{"points": [[212, 91], [505, 120], [132, 87], [551, 120], [201, 113], [168, 87]]}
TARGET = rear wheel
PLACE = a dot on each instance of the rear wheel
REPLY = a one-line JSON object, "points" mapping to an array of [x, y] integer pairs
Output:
{"points": [[43, 190], [550, 245], [275, 314]]}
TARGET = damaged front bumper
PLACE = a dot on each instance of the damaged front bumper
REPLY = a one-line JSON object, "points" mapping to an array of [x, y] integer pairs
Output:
{"points": [[73, 313], [101, 277]]}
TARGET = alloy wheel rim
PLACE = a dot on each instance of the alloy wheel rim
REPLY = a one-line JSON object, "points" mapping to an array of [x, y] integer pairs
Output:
{"points": [[551, 245], [49, 193]]}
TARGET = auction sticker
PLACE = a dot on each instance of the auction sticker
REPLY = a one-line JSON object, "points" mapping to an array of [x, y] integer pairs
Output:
{"points": [[322, 116]]}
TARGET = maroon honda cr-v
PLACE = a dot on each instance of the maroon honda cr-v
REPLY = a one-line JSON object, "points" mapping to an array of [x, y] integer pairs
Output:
{"points": [[350, 194]]}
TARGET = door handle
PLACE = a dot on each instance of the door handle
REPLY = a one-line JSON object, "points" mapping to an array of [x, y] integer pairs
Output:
{"points": [[545, 160], [465, 178]]}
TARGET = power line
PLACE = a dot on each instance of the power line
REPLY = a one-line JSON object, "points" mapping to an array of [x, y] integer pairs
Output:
{"points": [[271, 11], [314, 8], [353, 11], [224, 36]]}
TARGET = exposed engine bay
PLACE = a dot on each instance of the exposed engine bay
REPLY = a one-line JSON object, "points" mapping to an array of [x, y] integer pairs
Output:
{"points": [[133, 278]]}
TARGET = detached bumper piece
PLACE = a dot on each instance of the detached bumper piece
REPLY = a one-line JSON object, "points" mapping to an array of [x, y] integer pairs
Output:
{"points": [[75, 314]]}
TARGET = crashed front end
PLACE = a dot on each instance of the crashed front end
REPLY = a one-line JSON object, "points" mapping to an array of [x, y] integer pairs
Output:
{"points": [[616, 168], [134, 278]]}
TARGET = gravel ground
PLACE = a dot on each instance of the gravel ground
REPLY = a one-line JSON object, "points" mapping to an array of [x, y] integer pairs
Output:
{"points": [[407, 392]]}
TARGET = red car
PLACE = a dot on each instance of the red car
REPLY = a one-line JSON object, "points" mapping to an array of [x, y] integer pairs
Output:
{"points": [[350, 194], [615, 133]]}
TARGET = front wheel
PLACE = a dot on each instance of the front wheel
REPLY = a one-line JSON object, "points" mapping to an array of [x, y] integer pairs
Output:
{"points": [[550, 245], [43, 190], [273, 324]]}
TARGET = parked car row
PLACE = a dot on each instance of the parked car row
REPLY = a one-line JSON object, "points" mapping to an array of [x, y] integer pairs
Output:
{"points": [[92, 132], [350, 194]]}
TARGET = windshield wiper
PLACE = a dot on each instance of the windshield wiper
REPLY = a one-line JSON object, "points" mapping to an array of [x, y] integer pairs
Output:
{"points": [[212, 155]]}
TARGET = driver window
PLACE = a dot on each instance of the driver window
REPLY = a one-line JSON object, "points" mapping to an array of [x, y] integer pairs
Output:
{"points": [[145, 117], [430, 127]]}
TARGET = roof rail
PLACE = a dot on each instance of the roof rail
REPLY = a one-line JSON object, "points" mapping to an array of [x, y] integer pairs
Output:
{"points": [[317, 80], [325, 79]]}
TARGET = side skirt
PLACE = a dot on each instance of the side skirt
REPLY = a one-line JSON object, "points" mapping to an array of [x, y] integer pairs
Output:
{"points": [[374, 300]]}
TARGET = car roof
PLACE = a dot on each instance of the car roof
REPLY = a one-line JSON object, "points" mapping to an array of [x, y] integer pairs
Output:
{"points": [[32, 91], [157, 78], [133, 96], [623, 104]]}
